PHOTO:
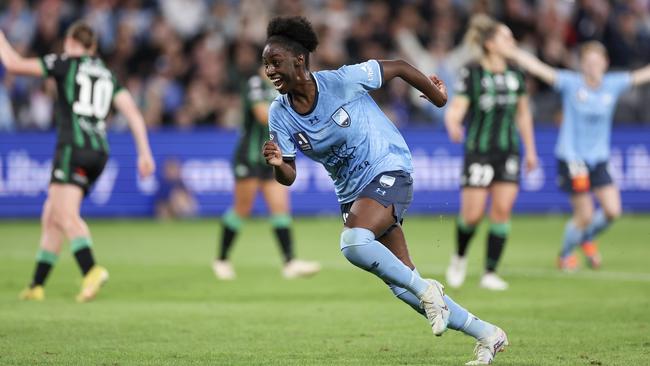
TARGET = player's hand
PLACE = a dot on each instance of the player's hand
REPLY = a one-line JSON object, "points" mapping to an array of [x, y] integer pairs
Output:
{"points": [[456, 132], [272, 153], [439, 84], [146, 165], [532, 162]]}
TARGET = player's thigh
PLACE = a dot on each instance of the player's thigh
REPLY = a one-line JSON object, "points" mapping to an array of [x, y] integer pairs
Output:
{"points": [[504, 195], [395, 241], [472, 204], [369, 214], [609, 198], [276, 196], [583, 208], [245, 193], [65, 199]]}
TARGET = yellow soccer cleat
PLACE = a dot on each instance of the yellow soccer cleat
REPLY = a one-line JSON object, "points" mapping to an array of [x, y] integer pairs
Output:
{"points": [[36, 293], [92, 282]]}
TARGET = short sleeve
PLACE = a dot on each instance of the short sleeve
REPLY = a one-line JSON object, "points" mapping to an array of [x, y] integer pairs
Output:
{"points": [[363, 77], [618, 82], [117, 86], [55, 65], [564, 79], [279, 133], [463, 82]]}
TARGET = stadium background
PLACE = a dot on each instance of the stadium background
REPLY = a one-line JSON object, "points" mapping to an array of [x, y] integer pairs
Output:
{"points": [[185, 60]]}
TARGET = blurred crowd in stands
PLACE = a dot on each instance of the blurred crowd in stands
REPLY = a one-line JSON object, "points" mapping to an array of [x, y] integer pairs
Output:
{"points": [[183, 60]]}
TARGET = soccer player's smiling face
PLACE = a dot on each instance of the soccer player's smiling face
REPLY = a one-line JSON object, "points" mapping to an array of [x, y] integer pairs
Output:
{"points": [[280, 67]]}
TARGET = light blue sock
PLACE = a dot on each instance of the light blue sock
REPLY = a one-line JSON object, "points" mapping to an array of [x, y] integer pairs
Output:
{"points": [[572, 238], [361, 249], [459, 318], [598, 224], [464, 321], [406, 296]]}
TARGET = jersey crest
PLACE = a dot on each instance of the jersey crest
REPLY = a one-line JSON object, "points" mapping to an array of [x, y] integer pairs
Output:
{"points": [[341, 118]]}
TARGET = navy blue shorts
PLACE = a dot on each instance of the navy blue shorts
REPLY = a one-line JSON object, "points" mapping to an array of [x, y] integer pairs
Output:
{"points": [[598, 176], [388, 188]]}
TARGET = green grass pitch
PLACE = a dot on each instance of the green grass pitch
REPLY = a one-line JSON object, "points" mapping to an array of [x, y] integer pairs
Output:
{"points": [[163, 305]]}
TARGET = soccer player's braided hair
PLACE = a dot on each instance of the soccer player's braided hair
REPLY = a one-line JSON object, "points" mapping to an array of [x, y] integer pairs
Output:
{"points": [[294, 33]]}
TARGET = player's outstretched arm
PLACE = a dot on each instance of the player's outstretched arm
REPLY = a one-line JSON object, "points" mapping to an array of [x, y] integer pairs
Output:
{"points": [[432, 87], [126, 105], [533, 65], [15, 63], [641, 76], [285, 171], [524, 120]]}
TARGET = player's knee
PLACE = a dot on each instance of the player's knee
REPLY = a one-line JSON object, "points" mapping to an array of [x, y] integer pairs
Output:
{"points": [[356, 237], [613, 213], [472, 220]]}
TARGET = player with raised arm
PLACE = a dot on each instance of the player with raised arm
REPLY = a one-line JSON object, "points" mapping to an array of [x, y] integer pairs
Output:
{"points": [[252, 174], [330, 117], [86, 92], [495, 95], [583, 145]]}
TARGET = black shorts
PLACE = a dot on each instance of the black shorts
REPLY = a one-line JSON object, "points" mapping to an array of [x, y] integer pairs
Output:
{"points": [[80, 167], [243, 169], [598, 176], [389, 188], [482, 170]]}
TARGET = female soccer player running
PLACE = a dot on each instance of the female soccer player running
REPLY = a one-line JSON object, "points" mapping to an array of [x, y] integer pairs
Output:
{"points": [[252, 174], [86, 90], [582, 149], [331, 118], [495, 95]]}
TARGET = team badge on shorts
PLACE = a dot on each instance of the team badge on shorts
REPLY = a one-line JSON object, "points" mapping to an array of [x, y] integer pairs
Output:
{"points": [[341, 118], [386, 181]]}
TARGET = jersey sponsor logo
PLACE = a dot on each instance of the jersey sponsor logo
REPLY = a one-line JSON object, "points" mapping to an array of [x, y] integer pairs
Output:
{"points": [[512, 83], [314, 120], [386, 181], [302, 140], [341, 156], [380, 192], [341, 118]]}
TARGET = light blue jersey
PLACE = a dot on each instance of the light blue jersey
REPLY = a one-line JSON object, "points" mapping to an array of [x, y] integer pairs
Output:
{"points": [[345, 131], [587, 121]]}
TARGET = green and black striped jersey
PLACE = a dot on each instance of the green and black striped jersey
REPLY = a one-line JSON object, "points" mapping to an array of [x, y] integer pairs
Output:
{"points": [[86, 88], [253, 133], [491, 127]]}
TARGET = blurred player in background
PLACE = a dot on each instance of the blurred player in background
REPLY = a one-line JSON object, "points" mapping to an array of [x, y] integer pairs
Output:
{"points": [[331, 118], [86, 91], [252, 175], [583, 146], [495, 95]]}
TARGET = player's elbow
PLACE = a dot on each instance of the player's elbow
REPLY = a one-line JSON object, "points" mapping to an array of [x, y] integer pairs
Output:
{"points": [[285, 181]]}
